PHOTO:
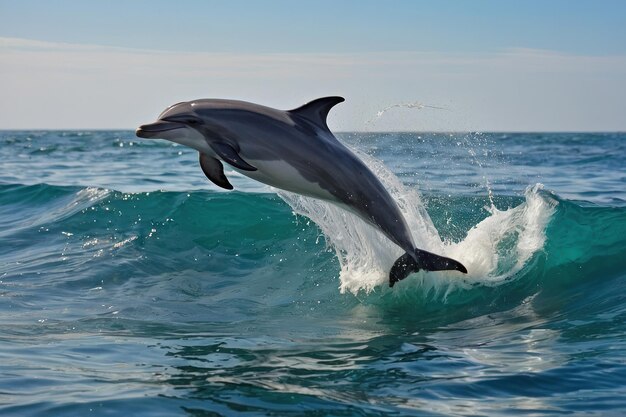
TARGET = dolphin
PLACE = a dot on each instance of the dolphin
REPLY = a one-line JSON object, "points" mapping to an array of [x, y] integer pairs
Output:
{"points": [[292, 150]]}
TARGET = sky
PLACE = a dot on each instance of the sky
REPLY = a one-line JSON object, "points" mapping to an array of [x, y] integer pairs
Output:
{"points": [[478, 65]]}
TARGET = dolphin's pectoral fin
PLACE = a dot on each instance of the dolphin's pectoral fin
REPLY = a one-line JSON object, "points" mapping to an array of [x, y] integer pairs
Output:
{"points": [[316, 111], [407, 263], [230, 155], [214, 171]]}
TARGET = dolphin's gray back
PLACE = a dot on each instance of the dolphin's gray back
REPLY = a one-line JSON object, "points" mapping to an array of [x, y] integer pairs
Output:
{"points": [[268, 138]]}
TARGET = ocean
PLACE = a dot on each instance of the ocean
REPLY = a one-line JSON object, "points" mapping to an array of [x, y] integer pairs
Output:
{"points": [[131, 285]]}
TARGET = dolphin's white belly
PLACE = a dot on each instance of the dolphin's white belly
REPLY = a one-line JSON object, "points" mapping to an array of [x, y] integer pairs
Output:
{"points": [[280, 174]]}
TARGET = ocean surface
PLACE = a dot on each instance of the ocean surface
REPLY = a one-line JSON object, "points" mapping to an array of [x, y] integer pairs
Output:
{"points": [[132, 286]]}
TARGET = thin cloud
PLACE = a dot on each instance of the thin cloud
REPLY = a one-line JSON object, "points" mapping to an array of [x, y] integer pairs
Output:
{"points": [[63, 85]]}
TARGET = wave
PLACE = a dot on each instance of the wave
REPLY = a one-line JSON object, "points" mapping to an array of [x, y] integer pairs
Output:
{"points": [[540, 240]]}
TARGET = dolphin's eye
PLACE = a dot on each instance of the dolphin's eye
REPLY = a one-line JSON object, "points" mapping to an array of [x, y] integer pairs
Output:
{"points": [[192, 121]]}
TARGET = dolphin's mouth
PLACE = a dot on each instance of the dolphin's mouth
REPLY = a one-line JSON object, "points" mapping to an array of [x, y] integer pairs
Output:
{"points": [[152, 130]]}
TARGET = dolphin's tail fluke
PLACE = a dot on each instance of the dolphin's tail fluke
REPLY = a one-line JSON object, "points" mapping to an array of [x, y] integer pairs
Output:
{"points": [[421, 259]]}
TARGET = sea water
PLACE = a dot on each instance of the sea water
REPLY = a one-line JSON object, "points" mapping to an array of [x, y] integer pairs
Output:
{"points": [[130, 285]]}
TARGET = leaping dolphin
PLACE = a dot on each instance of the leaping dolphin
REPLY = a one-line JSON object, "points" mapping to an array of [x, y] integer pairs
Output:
{"points": [[295, 151]]}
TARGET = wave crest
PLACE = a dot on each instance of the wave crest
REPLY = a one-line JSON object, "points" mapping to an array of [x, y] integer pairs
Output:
{"points": [[493, 251]]}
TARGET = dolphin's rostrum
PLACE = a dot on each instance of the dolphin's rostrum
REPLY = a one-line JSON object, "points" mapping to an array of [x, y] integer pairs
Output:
{"points": [[295, 151]]}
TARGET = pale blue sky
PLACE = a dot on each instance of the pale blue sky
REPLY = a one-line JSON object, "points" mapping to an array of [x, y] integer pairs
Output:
{"points": [[566, 57], [573, 26]]}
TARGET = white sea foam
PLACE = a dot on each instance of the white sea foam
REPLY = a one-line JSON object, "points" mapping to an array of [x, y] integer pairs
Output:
{"points": [[493, 251]]}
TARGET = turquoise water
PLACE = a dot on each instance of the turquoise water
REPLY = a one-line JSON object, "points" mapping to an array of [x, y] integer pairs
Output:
{"points": [[130, 285]]}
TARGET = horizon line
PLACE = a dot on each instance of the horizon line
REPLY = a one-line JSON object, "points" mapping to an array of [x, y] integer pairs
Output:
{"points": [[336, 131]]}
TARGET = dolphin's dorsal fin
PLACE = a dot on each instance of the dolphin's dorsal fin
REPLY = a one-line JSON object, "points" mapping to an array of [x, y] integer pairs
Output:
{"points": [[316, 111]]}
